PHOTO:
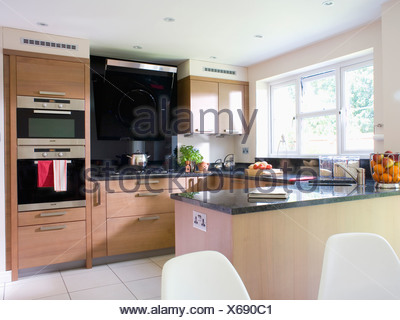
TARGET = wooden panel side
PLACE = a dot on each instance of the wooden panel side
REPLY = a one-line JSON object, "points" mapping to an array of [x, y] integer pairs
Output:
{"points": [[7, 159], [189, 239], [279, 253]]}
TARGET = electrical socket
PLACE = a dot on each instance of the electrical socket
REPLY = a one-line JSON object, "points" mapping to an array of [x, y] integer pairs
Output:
{"points": [[245, 150], [200, 221]]}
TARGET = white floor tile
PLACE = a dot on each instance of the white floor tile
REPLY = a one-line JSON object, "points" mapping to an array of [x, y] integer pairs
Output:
{"points": [[137, 271], [112, 292], [129, 263], [161, 260], [35, 287], [76, 280], [146, 288], [64, 296]]}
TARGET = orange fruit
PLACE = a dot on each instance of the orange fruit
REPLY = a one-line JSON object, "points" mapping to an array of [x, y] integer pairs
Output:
{"points": [[373, 163], [376, 177], [394, 171], [386, 178], [396, 179], [378, 168]]}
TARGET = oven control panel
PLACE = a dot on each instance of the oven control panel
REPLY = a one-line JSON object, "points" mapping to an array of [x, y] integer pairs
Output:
{"points": [[48, 152]]}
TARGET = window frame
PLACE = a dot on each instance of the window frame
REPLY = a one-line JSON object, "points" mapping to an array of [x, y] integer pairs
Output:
{"points": [[339, 69]]}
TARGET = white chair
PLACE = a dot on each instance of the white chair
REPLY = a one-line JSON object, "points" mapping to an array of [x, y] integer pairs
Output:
{"points": [[203, 275], [359, 266]]}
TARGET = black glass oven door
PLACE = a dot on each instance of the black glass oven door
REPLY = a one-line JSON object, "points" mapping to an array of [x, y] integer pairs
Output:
{"points": [[52, 124], [32, 197]]}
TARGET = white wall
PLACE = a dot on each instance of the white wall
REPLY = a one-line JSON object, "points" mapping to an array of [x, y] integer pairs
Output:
{"points": [[346, 44], [391, 74]]}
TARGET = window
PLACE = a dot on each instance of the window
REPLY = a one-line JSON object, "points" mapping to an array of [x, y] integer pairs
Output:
{"points": [[327, 111]]}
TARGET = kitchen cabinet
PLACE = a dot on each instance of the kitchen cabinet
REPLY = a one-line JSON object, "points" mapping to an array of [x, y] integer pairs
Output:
{"points": [[133, 215], [40, 77], [37, 238], [232, 108], [213, 104]]}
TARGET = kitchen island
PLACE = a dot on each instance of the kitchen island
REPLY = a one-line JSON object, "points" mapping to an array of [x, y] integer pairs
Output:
{"points": [[277, 246]]}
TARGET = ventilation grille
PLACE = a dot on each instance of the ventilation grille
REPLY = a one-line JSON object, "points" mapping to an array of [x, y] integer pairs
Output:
{"points": [[49, 44], [224, 71]]}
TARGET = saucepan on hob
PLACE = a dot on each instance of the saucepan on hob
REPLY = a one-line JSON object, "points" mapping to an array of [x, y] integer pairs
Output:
{"points": [[137, 160]]}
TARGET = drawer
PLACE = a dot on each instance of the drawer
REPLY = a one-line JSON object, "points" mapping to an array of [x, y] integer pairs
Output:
{"points": [[149, 184], [140, 233], [139, 203], [51, 243], [29, 218]]}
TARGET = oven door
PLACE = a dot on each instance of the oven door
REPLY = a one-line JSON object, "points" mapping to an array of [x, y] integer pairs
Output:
{"points": [[32, 197], [50, 127]]}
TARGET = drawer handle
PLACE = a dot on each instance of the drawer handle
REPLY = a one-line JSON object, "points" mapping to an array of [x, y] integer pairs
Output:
{"points": [[52, 93], [149, 194], [53, 228], [150, 182], [148, 218], [52, 214]]}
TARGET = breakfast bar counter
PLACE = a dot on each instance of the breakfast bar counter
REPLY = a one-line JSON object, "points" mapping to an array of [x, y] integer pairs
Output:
{"points": [[277, 245]]}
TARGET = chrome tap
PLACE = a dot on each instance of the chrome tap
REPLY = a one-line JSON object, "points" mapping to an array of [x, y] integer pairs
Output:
{"points": [[359, 178]]}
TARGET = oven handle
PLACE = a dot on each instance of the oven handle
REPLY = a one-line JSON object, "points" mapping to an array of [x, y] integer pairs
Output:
{"points": [[36, 162], [53, 228], [51, 112]]}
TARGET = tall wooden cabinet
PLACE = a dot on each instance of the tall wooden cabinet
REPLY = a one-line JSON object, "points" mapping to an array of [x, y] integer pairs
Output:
{"points": [[213, 106], [43, 237]]}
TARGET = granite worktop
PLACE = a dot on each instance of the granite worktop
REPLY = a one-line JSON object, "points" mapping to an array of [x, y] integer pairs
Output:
{"points": [[300, 194]]}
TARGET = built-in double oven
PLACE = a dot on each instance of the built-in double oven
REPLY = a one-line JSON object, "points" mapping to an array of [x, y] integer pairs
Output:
{"points": [[51, 151]]}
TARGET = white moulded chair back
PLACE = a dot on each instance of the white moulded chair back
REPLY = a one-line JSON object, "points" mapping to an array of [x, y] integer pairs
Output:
{"points": [[359, 266], [202, 275]]}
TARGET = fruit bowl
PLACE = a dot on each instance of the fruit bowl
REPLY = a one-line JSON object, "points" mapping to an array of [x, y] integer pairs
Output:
{"points": [[385, 169]]}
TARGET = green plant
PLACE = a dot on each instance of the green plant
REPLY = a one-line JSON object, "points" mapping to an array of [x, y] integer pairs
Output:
{"points": [[189, 153]]}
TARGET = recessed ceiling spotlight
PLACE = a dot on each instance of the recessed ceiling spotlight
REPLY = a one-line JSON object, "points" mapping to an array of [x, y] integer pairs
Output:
{"points": [[137, 47], [328, 3], [169, 19], [42, 24], [213, 57], [258, 36]]}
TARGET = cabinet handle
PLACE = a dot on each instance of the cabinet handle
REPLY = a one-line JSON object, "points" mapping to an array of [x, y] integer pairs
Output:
{"points": [[52, 93], [150, 182], [149, 218], [149, 194], [53, 228], [98, 195], [231, 131], [52, 214]]}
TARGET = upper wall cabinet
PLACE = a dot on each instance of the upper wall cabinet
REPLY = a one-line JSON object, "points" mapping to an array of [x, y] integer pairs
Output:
{"points": [[215, 106], [232, 108], [47, 77]]}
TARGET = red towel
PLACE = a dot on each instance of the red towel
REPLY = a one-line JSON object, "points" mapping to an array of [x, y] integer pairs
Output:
{"points": [[45, 174]]}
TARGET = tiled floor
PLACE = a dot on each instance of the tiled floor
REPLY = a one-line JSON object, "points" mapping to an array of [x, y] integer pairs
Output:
{"points": [[134, 279]]}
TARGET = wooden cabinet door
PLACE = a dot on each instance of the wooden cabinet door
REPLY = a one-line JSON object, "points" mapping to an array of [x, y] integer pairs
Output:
{"points": [[140, 233], [204, 106], [231, 108], [46, 77]]}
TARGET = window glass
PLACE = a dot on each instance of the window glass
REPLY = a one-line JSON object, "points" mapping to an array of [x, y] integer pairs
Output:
{"points": [[318, 135], [283, 98], [318, 93], [359, 109]]}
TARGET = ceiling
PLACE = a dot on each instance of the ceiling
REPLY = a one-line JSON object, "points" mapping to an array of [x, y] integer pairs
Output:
{"points": [[221, 31]]}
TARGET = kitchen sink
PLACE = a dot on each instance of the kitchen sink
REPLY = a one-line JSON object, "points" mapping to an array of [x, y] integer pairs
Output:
{"points": [[332, 182]]}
